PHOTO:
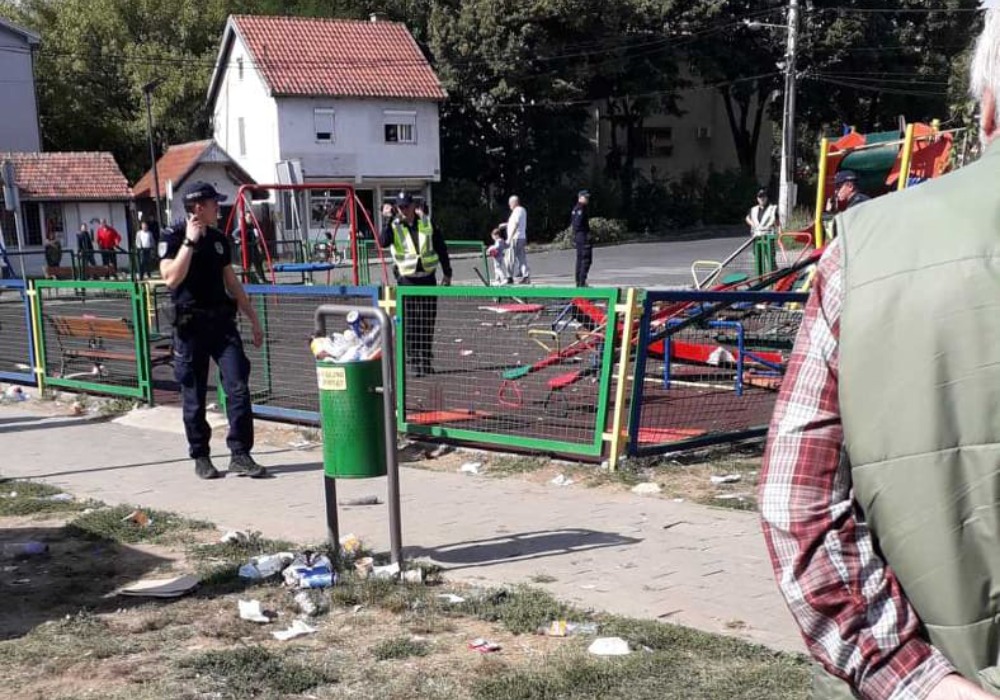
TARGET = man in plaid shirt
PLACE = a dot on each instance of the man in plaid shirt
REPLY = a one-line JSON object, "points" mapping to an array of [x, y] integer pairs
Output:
{"points": [[853, 552]]}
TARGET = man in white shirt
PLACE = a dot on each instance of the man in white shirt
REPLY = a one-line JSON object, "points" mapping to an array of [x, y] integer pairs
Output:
{"points": [[517, 226], [144, 250], [764, 227]]}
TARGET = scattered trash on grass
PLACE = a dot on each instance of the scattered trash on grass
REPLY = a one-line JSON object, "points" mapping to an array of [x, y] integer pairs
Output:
{"points": [[389, 571], [413, 576], [561, 480], [451, 598], [562, 628], [234, 536], [312, 603], [298, 629], [364, 567], [350, 544], [162, 588], [609, 646], [266, 566], [650, 488], [250, 610], [726, 479], [484, 646], [310, 570], [470, 468], [139, 518]]}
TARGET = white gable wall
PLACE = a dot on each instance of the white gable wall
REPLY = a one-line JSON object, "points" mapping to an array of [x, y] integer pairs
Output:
{"points": [[359, 148], [247, 99], [19, 125]]}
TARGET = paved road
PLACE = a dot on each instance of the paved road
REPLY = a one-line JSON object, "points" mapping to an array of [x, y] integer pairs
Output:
{"points": [[660, 264], [627, 554]]}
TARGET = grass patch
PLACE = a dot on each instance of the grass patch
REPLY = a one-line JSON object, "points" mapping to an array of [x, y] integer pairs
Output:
{"points": [[520, 609], [399, 648], [245, 672], [509, 465], [56, 646], [109, 524], [242, 550], [33, 498]]}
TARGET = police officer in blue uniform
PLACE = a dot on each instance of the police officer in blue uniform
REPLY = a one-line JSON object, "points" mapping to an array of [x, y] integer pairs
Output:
{"points": [[196, 265], [580, 223]]}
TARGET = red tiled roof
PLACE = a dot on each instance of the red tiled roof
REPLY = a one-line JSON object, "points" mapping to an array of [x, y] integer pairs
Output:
{"points": [[69, 176], [176, 164], [338, 58]]}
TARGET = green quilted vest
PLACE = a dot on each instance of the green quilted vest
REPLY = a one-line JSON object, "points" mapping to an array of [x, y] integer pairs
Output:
{"points": [[920, 398]]}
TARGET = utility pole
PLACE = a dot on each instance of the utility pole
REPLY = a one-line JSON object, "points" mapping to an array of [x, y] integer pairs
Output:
{"points": [[148, 90], [787, 191]]}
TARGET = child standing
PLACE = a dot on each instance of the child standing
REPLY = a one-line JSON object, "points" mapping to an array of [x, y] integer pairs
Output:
{"points": [[498, 252]]}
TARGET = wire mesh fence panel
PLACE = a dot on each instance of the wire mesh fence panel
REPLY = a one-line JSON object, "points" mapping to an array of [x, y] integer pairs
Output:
{"points": [[16, 355], [709, 366], [527, 369], [94, 337], [282, 374]]}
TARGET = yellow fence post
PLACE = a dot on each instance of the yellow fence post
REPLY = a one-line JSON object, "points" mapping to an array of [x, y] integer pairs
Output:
{"points": [[618, 426], [904, 167], [38, 368], [824, 151]]}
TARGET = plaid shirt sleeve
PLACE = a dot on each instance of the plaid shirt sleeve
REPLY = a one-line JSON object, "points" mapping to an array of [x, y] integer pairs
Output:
{"points": [[847, 602]]}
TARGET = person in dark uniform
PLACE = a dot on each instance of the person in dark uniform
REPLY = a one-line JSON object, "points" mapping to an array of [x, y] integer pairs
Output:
{"points": [[580, 223], [196, 265], [845, 188], [417, 250]]}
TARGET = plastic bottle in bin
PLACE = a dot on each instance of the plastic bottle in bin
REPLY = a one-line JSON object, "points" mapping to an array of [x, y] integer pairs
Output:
{"points": [[360, 341]]}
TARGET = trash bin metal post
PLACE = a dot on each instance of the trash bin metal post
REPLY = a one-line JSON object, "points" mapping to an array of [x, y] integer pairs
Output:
{"points": [[389, 407]]}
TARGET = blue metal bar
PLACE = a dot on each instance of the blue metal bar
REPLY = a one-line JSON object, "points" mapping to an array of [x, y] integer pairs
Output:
{"points": [[293, 414], [369, 292], [642, 352]]}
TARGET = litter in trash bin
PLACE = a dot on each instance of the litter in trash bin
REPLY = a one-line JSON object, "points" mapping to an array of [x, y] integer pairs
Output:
{"points": [[470, 468], [609, 646], [726, 479], [139, 518], [310, 570], [360, 341], [484, 646], [298, 629], [363, 501], [250, 610]]}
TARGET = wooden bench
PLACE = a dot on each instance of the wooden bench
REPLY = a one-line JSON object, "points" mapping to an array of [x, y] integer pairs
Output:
{"points": [[105, 338], [95, 272], [59, 272]]}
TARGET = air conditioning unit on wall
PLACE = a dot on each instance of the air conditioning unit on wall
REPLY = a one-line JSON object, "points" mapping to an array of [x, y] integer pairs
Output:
{"points": [[704, 133]]}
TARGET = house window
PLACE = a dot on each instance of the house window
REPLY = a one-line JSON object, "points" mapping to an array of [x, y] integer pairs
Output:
{"points": [[400, 127], [323, 123], [32, 223], [657, 142], [54, 220], [239, 68], [242, 128]]}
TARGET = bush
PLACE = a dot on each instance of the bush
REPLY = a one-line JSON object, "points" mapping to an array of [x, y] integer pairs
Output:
{"points": [[602, 232], [685, 200], [728, 196]]}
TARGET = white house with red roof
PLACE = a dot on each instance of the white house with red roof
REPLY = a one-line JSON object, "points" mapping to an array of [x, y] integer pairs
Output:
{"points": [[334, 100], [58, 192]]}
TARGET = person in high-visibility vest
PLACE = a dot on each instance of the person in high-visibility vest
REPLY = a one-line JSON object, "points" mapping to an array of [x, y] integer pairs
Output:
{"points": [[417, 251], [763, 223]]}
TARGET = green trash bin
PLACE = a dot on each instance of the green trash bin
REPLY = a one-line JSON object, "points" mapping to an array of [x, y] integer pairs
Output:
{"points": [[352, 418]]}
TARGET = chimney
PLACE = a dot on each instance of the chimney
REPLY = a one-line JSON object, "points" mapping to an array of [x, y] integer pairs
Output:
{"points": [[373, 18]]}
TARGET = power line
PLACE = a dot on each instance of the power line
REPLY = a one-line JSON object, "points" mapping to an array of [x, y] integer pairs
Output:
{"points": [[877, 88]]}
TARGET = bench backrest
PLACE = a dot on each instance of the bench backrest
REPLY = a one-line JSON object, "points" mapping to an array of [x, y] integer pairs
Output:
{"points": [[92, 327]]}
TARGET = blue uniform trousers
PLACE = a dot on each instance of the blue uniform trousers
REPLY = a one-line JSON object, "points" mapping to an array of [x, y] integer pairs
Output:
{"points": [[215, 337]]}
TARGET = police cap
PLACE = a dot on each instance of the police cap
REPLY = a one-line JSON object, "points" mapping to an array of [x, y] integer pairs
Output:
{"points": [[200, 191]]}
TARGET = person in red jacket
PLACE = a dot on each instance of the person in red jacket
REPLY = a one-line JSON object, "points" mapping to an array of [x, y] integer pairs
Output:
{"points": [[108, 240]]}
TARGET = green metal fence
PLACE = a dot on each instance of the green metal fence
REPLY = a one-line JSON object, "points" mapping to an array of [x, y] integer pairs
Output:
{"points": [[531, 370], [94, 336]]}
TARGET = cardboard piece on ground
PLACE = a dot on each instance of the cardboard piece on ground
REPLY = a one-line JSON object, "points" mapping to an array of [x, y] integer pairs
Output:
{"points": [[162, 587]]}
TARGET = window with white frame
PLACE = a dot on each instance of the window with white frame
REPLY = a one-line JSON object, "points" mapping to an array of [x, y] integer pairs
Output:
{"points": [[400, 127], [323, 123], [242, 128]]}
